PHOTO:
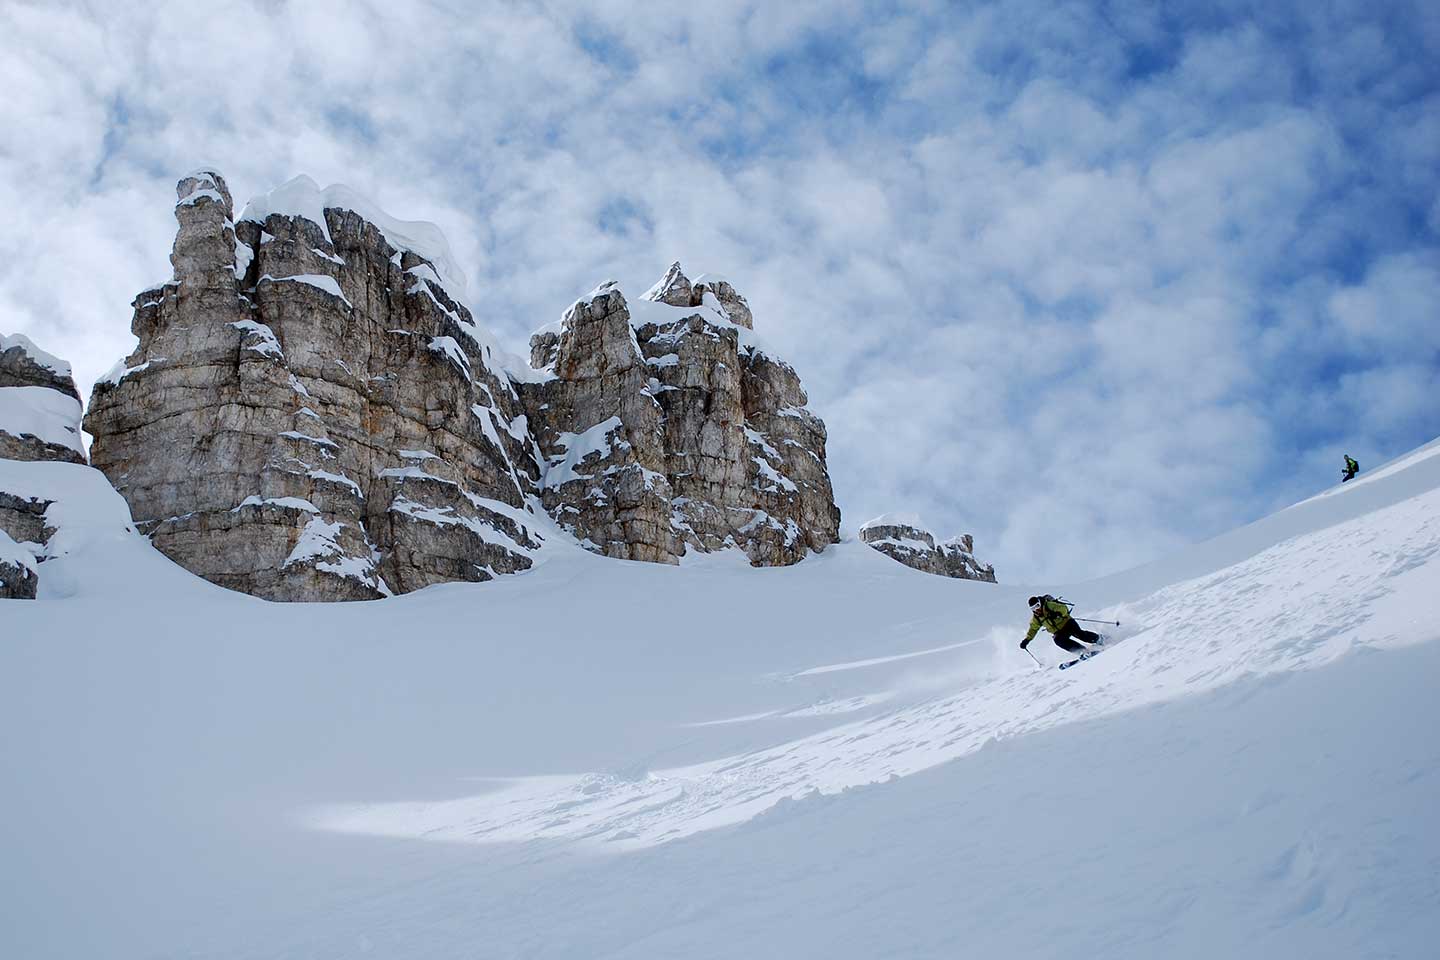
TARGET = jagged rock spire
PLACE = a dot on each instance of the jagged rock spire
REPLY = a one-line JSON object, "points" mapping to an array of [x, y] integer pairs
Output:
{"points": [[678, 290], [673, 288], [667, 429], [310, 413], [313, 413]]}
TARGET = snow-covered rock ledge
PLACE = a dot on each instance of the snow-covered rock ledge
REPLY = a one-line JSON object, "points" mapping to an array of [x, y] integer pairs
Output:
{"points": [[39, 438], [39, 405], [904, 538]]}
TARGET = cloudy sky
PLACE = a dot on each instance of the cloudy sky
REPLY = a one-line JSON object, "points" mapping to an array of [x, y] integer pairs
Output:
{"points": [[1088, 280]]}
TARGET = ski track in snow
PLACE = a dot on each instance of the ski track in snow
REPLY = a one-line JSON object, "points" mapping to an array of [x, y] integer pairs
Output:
{"points": [[1295, 606]]}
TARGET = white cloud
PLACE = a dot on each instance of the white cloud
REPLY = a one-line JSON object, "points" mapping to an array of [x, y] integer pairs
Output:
{"points": [[1395, 312]]}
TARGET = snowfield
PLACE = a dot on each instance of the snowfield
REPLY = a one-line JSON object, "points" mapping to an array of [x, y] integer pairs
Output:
{"points": [[846, 758]]}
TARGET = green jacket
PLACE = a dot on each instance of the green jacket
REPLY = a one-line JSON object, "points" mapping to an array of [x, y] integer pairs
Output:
{"points": [[1351, 465], [1053, 615]]}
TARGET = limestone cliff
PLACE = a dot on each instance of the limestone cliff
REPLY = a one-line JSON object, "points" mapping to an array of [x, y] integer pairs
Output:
{"points": [[312, 413], [666, 426]]}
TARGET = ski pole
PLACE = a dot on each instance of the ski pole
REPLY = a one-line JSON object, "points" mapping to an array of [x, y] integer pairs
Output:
{"points": [[1092, 620], [1033, 657]]}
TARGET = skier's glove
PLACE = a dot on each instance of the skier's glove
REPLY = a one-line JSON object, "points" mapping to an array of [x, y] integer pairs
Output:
{"points": [[1024, 643]]}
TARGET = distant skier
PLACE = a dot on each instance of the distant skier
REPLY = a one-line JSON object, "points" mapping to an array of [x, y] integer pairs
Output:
{"points": [[1351, 468], [1054, 616]]}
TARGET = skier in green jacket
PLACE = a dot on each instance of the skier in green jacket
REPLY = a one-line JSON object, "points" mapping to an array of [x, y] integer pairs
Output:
{"points": [[1054, 616], [1351, 468]]}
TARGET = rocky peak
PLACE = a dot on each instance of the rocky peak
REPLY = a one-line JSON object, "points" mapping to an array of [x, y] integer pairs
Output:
{"points": [[312, 413], [664, 427], [205, 250], [902, 537], [676, 290]]}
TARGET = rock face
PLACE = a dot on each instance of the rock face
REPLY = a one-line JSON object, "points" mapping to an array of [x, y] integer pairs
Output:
{"points": [[18, 577], [39, 420], [664, 425], [311, 414], [904, 539], [39, 405]]}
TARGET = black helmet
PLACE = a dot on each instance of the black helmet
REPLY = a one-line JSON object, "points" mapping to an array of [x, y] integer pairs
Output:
{"points": [[1033, 601]]}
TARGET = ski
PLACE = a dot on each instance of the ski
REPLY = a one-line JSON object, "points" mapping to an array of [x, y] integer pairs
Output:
{"points": [[1070, 663]]}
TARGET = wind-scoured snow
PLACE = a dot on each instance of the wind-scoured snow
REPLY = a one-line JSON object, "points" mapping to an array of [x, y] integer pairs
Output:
{"points": [[845, 758]]}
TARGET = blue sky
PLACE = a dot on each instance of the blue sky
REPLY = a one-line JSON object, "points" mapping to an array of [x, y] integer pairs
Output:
{"points": [[1089, 281]]}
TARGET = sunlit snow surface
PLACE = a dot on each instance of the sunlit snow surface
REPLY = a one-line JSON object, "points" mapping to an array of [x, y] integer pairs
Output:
{"points": [[846, 758], [1298, 605]]}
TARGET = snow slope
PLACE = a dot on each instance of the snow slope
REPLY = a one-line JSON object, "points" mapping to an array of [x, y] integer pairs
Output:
{"points": [[48, 415], [846, 758]]}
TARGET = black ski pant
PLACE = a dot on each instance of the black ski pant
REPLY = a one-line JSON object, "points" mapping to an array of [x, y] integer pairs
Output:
{"points": [[1066, 636]]}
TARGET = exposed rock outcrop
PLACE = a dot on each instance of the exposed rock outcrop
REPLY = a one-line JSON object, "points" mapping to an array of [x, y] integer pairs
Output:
{"points": [[39, 405], [18, 578], [39, 421], [903, 538], [23, 536], [311, 413], [664, 424]]}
